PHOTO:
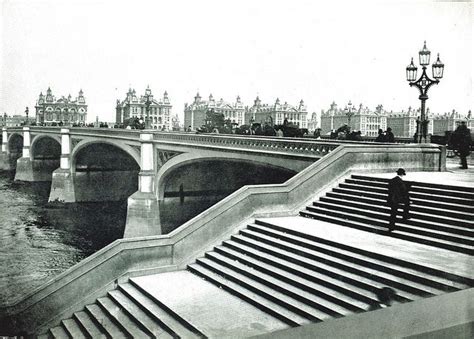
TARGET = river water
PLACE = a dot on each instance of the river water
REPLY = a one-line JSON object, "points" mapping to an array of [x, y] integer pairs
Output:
{"points": [[38, 241]]}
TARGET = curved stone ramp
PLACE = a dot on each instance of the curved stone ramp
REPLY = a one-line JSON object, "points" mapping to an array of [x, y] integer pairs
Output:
{"points": [[440, 215]]}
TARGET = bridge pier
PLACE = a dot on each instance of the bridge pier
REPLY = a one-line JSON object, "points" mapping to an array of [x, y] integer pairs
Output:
{"points": [[62, 184], [4, 156], [143, 210], [24, 165]]}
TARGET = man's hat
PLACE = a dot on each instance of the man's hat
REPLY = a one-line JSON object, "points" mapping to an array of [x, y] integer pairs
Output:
{"points": [[401, 171]]}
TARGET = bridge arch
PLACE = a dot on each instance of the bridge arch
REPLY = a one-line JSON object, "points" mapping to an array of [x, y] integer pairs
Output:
{"points": [[104, 171], [206, 170], [87, 143], [15, 142], [15, 148], [46, 147]]}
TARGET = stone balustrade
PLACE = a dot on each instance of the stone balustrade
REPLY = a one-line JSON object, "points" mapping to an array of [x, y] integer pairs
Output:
{"points": [[287, 145]]}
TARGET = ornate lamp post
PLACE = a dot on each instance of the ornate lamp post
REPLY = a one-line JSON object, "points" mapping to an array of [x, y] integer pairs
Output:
{"points": [[423, 84], [26, 112], [349, 114], [148, 101]]}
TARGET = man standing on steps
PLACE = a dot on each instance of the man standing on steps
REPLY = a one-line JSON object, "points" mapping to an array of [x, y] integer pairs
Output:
{"points": [[398, 194]]}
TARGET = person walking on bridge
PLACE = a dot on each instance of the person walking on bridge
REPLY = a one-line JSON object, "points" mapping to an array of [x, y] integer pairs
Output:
{"points": [[462, 140], [398, 193]]}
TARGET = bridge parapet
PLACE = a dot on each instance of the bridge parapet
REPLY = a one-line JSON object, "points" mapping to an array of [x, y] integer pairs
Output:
{"points": [[308, 147], [302, 147]]}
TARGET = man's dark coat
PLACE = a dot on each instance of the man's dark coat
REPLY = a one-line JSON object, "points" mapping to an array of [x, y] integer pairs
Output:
{"points": [[397, 191]]}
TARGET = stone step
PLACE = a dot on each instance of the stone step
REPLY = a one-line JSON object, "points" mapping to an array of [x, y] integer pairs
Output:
{"points": [[418, 183], [171, 325], [73, 329], [140, 317], [322, 266], [104, 322], [436, 209], [297, 276], [264, 291], [430, 195], [58, 332], [418, 200], [416, 224], [365, 224], [328, 309], [377, 221], [352, 273], [457, 225], [415, 187], [88, 326], [270, 307], [381, 222], [440, 280], [120, 318]]}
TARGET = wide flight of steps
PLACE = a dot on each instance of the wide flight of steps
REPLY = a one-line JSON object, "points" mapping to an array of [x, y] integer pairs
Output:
{"points": [[300, 278], [298, 275], [291, 275], [440, 215]]}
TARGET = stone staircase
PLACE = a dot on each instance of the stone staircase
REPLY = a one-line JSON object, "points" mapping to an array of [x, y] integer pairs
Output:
{"points": [[288, 272], [440, 215], [128, 311]]}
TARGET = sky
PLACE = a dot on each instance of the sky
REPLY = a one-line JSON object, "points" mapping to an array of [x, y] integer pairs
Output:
{"points": [[294, 49]]}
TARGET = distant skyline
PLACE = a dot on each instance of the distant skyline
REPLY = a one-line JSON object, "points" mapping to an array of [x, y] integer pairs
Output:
{"points": [[316, 51]]}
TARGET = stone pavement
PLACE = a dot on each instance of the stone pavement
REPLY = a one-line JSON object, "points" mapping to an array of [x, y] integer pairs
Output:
{"points": [[454, 175]]}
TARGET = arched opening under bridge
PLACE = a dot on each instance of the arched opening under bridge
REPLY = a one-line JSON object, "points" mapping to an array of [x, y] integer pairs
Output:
{"points": [[15, 149], [104, 172], [46, 156], [193, 187]]}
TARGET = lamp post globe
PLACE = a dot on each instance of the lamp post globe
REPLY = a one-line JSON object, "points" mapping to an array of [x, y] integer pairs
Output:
{"points": [[438, 69]]}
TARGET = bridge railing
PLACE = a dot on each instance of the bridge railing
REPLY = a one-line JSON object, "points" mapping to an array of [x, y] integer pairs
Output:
{"points": [[286, 145]]}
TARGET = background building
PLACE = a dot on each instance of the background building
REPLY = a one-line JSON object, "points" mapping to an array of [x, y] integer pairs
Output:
{"points": [[15, 120], [361, 119], [195, 113], [276, 113], [175, 123], [65, 111], [403, 124], [313, 122], [135, 107], [450, 121]]}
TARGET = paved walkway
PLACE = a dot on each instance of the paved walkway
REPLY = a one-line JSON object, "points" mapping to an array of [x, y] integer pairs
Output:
{"points": [[212, 310], [454, 175]]}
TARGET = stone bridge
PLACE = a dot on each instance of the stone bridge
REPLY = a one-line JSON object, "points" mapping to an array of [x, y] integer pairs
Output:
{"points": [[87, 164]]}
